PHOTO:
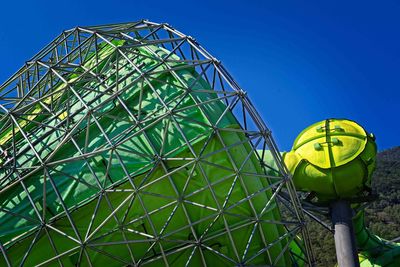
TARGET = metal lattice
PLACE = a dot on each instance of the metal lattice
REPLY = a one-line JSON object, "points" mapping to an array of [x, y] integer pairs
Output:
{"points": [[129, 144]]}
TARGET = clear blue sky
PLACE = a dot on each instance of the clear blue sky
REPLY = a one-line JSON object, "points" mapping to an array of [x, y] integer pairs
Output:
{"points": [[300, 63]]}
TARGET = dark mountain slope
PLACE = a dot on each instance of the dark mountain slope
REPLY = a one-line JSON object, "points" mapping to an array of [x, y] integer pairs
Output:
{"points": [[382, 215]]}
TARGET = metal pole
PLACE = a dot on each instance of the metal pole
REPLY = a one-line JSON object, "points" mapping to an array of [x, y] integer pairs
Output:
{"points": [[345, 244]]}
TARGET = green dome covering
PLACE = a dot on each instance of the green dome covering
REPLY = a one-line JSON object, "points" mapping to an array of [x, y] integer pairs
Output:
{"points": [[130, 145], [333, 158]]}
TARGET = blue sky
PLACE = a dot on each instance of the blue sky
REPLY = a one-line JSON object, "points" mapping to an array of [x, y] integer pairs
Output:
{"points": [[300, 63]]}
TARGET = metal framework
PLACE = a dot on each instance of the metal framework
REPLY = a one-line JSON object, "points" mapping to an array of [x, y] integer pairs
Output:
{"points": [[46, 106]]}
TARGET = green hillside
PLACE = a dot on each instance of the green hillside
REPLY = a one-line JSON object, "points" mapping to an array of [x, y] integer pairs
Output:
{"points": [[383, 215]]}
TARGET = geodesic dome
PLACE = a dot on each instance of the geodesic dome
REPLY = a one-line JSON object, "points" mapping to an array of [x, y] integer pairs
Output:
{"points": [[129, 144]]}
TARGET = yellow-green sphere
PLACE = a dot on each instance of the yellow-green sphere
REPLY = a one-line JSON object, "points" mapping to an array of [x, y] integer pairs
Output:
{"points": [[334, 159]]}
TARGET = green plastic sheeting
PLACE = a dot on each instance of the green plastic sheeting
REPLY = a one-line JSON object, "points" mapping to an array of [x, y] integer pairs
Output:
{"points": [[78, 183], [374, 251]]}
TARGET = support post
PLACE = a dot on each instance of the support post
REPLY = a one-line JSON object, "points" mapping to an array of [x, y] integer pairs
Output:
{"points": [[345, 244]]}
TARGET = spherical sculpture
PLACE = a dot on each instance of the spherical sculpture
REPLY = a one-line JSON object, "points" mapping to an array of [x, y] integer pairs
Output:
{"points": [[128, 145], [334, 159]]}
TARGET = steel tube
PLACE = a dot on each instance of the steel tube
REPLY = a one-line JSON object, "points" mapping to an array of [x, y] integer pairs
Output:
{"points": [[345, 244]]}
